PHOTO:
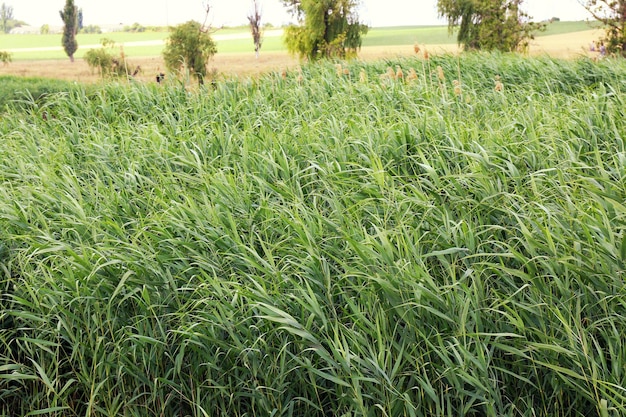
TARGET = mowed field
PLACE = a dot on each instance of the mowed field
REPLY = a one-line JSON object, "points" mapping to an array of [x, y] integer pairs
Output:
{"points": [[37, 55]]}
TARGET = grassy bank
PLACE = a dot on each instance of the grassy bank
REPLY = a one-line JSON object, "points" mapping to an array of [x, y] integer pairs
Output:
{"points": [[323, 242]]}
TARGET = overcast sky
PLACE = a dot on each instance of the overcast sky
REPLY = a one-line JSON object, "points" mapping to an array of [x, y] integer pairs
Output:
{"points": [[232, 12]]}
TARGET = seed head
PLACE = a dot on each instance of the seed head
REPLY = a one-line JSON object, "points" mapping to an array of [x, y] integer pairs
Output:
{"points": [[412, 75], [399, 73], [440, 74], [426, 54], [339, 70], [283, 74], [457, 87], [391, 74], [363, 76], [416, 48], [346, 71], [499, 86]]}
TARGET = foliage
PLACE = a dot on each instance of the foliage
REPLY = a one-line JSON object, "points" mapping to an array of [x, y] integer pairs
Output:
{"points": [[135, 27], [45, 29], [79, 20], [106, 62], [329, 28], [315, 243], [6, 16], [488, 24], [191, 46], [69, 15], [24, 92], [91, 29], [612, 14], [5, 57], [254, 18]]}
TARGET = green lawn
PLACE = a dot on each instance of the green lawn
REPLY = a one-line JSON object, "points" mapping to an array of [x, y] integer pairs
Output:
{"points": [[39, 41], [408, 36]]}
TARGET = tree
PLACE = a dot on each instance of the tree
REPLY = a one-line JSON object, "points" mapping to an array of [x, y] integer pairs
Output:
{"points": [[79, 18], [69, 15], [6, 15], [612, 14], [91, 29], [190, 45], [489, 24], [255, 26], [107, 63], [327, 28]]}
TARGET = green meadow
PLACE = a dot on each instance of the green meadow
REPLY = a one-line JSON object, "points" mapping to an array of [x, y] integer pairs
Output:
{"points": [[404, 35], [334, 241]]}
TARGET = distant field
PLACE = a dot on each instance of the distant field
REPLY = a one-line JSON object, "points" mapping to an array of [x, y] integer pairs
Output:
{"points": [[408, 36], [558, 28], [236, 57], [404, 35]]}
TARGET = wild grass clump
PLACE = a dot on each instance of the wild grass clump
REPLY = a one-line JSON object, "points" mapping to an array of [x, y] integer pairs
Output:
{"points": [[108, 63], [5, 57], [320, 242], [15, 90]]}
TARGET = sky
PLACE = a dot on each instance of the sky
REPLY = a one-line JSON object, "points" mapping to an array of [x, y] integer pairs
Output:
{"points": [[376, 13]]}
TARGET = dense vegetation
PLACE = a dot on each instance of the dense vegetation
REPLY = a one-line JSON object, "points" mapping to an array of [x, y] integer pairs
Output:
{"points": [[345, 240], [25, 91], [500, 25]]}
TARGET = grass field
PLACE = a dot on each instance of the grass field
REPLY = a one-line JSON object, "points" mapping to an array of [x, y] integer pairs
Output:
{"points": [[243, 64], [132, 42], [334, 240]]}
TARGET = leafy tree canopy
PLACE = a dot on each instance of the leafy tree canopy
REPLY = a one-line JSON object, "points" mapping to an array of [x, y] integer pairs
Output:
{"points": [[489, 24], [190, 45], [6, 17], [328, 28], [612, 13]]}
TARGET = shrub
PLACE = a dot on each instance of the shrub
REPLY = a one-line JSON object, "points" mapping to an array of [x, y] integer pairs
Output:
{"points": [[91, 29], [5, 57], [189, 45], [104, 60], [135, 27]]}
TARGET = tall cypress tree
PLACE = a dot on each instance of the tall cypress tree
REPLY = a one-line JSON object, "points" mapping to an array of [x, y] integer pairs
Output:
{"points": [[69, 15]]}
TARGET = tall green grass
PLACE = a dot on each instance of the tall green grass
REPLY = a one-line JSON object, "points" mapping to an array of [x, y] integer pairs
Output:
{"points": [[310, 244], [26, 91]]}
